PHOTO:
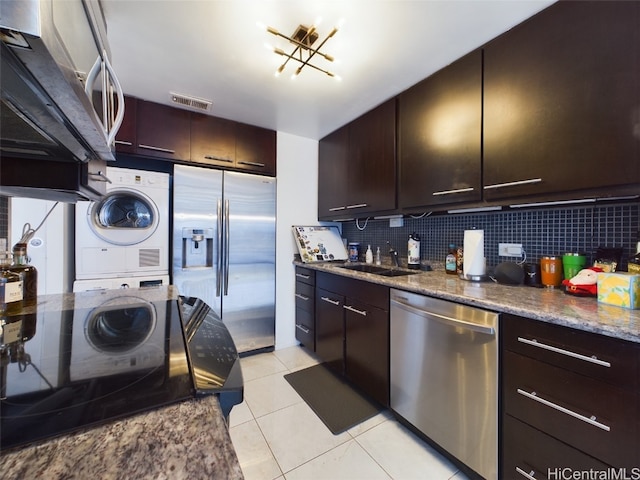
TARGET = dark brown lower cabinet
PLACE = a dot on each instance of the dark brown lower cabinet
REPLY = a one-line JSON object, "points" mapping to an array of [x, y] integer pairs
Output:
{"points": [[306, 307], [366, 362], [569, 400], [352, 332], [330, 329]]}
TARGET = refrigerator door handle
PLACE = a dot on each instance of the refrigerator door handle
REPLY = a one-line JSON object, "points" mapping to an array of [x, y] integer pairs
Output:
{"points": [[219, 250], [226, 247]]}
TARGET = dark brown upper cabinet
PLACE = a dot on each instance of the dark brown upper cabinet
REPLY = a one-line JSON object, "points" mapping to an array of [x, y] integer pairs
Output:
{"points": [[440, 135], [163, 131], [228, 144], [126, 138], [562, 102], [255, 149], [357, 166]]}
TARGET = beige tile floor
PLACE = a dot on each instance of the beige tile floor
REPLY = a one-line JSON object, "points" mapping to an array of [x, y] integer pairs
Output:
{"points": [[277, 436]]}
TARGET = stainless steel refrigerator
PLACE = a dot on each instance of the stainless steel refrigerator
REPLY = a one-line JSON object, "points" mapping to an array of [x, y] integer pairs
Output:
{"points": [[224, 247]]}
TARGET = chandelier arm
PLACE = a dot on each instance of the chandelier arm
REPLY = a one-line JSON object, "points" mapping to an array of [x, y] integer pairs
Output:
{"points": [[303, 62]]}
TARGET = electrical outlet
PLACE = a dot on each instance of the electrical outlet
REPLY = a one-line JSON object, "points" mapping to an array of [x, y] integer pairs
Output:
{"points": [[510, 250], [396, 222]]}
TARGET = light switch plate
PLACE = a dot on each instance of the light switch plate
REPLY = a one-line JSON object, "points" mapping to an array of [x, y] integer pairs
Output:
{"points": [[396, 222], [510, 250]]}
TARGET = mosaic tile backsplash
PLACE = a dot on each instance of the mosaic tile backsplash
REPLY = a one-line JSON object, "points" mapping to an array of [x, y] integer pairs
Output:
{"points": [[541, 232]]}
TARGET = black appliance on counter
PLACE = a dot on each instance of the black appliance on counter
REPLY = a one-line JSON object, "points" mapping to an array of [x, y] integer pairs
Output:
{"points": [[111, 355]]}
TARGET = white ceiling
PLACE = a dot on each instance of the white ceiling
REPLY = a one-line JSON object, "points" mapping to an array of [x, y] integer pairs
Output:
{"points": [[213, 49]]}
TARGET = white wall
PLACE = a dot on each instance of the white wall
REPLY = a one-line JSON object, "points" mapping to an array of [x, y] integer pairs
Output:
{"points": [[297, 204]]}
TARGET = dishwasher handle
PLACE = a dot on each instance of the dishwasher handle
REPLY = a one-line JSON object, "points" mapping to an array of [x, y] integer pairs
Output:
{"points": [[444, 319]]}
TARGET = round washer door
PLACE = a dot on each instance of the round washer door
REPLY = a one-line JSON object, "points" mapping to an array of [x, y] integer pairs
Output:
{"points": [[123, 217]]}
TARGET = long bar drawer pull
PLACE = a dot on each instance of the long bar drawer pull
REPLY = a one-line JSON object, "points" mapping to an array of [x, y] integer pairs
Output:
{"points": [[568, 353], [157, 149], [218, 159], [327, 299], [591, 421], [336, 209], [302, 297], [251, 164], [355, 310], [449, 192], [301, 275], [358, 205], [528, 476], [124, 142], [513, 184], [300, 327]]}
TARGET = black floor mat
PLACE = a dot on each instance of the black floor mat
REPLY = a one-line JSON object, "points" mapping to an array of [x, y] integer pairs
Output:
{"points": [[337, 404]]}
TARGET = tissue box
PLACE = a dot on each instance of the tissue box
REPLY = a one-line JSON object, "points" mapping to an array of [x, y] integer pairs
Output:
{"points": [[620, 289]]}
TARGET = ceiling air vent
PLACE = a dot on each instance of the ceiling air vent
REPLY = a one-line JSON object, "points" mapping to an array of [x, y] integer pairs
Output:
{"points": [[191, 102]]}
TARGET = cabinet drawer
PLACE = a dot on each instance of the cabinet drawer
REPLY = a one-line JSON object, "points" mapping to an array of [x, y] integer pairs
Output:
{"points": [[305, 296], [529, 453], [604, 358], [597, 418], [305, 275], [305, 332]]}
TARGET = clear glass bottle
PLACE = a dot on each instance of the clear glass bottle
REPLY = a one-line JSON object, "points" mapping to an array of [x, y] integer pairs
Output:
{"points": [[11, 287], [450, 263], [378, 257], [28, 274]]}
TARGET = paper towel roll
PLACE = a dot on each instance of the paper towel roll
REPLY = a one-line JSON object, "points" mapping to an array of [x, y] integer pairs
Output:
{"points": [[474, 263]]}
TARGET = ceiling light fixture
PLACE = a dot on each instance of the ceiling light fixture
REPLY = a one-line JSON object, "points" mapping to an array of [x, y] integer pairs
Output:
{"points": [[303, 38]]}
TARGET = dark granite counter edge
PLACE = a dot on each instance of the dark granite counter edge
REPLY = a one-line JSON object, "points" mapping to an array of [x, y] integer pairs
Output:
{"points": [[548, 305]]}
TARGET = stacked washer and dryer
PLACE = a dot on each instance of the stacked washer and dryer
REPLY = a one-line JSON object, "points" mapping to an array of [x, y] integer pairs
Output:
{"points": [[123, 240]]}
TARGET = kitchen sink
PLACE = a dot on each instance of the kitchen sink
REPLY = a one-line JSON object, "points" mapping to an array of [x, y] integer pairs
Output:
{"points": [[395, 273], [366, 268], [382, 271]]}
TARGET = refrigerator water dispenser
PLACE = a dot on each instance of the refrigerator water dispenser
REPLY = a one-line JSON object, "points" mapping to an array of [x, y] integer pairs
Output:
{"points": [[197, 248]]}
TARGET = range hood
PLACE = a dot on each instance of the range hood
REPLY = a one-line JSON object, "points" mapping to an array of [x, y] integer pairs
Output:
{"points": [[52, 53]]}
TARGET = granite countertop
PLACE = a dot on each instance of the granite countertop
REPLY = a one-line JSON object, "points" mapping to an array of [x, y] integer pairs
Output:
{"points": [[188, 439], [185, 440], [547, 305]]}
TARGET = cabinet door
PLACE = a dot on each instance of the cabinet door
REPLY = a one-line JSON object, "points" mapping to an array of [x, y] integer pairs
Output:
{"points": [[367, 349], [561, 101], [163, 131], [371, 171], [333, 153], [213, 140], [126, 137], [255, 149], [440, 132], [330, 329]]}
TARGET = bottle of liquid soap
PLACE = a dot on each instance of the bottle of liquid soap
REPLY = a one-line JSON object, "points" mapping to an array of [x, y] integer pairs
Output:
{"points": [[368, 257], [413, 249], [450, 263], [378, 257]]}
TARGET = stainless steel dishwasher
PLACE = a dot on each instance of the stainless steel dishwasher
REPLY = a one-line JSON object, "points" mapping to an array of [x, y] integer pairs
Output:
{"points": [[444, 376]]}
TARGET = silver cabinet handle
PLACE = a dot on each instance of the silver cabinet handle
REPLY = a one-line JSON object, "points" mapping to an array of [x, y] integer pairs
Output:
{"points": [[513, 184], [219, 256], [300, 327], [528, 476], [219, 159], [157, 149], [336, 209], [302, 297], [120, 115], [590, 420], [101, 176], [301, 275], [122, 142], [357, 205], [355, 310], [333, 302], [251, 164], [449, 192], [227, 236], [443, 318], [561, 351]]}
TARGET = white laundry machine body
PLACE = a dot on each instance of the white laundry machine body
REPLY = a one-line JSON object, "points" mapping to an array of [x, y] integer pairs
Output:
{"points": [[126, 234]]}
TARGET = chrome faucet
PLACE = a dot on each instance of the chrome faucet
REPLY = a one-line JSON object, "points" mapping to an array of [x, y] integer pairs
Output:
{"points": [[394, 255]]}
